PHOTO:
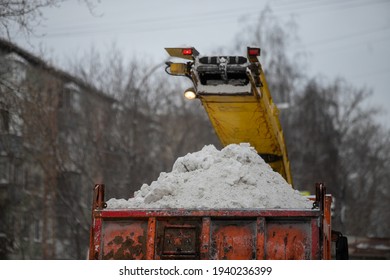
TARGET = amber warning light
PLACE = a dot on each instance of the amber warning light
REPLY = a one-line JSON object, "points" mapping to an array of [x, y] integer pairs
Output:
{"points": [[187, 51]]}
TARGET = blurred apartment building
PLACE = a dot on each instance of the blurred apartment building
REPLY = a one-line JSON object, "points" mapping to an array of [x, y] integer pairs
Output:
{"points": [[54, 144]]}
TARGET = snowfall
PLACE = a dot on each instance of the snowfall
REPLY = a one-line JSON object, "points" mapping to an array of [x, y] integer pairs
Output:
{"points": [[234, 177]]}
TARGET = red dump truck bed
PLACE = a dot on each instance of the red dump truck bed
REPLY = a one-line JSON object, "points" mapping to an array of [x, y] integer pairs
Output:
{"points": [[225, 234]]}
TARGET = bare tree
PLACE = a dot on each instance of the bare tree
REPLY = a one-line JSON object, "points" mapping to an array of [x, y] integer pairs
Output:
{"points": [[331, 135], [283, 69], [26, 15], [153, 123], [334, 139]]}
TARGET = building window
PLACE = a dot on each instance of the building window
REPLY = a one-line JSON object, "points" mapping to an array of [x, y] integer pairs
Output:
{"points": [[16, 124], [19, 174], [4, 119], [10, 123], [69, 189], [4, 170], [16, 68], [37, 230], [25, 226], [70, 98]]}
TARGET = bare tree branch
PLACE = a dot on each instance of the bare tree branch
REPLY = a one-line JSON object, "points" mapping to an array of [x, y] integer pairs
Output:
{"points": [[27, 15]]}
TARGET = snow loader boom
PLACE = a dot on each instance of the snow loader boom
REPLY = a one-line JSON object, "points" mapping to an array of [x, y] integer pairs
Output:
{"points": [[234, 92]]}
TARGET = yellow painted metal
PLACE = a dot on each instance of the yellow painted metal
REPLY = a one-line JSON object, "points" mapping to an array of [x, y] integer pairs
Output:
{"points": [[178, 68], [282, 167], [253, 119], [177, 52]]}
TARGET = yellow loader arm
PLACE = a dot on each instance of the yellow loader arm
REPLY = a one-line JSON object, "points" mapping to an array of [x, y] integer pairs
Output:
{"points": [[234, 92]]}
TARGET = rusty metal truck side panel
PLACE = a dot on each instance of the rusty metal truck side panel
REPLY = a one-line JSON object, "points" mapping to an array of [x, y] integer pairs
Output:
{"points": [[206, 234], [210, 234]]}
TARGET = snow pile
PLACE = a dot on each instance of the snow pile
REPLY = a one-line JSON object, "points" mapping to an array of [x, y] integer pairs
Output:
{"points": [[235, 177]]}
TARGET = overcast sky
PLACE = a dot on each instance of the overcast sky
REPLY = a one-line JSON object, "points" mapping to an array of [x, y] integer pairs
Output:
{"points": [[347, 38]]}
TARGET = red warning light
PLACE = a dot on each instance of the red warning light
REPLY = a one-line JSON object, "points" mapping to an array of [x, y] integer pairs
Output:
{"points": [[254, 51], [187, 51]]}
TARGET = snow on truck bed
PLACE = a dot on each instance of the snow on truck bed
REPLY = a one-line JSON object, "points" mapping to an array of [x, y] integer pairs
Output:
{"points": [[235, 177]]}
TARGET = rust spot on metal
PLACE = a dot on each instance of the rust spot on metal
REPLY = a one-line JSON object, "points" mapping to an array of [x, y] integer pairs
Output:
{"points": [[125, 240], [205, 238], [260, 241], [233, 240], [117, 240], [98, 200], [178, 239], [288, 242]]}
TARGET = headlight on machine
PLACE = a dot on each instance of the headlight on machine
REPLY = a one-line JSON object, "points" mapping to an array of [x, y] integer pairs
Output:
{"points": [[190, 93]]}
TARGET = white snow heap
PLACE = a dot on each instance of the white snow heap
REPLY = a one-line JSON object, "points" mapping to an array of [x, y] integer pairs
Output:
{"points": [[235, 177]]}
